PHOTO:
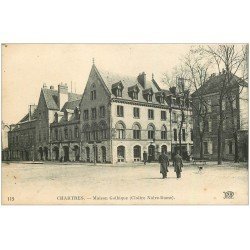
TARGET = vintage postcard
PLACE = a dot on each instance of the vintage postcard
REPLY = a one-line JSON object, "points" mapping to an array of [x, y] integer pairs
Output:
{"points": [[124, 124]]}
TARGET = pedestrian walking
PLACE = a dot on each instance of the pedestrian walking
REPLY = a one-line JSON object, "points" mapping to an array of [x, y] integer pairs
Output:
{"points": [[145, 157], [164, 163], [178, 164]]}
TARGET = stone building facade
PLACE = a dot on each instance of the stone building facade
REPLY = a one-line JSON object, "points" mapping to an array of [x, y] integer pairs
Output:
{"points": [[116, 119], [239, 119], [22, 137], [121, 117]]}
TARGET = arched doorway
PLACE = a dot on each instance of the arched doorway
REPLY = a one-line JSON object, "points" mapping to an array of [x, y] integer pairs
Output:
{"points": [[56, 153], [103, 149], [77, 153], [46, 153], [164, 149], [66, 153], [40, 151], [151, 153], [121, 154], [87, 154], [137, 153]]}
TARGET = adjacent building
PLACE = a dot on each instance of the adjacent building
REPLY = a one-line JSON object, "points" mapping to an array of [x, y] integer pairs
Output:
{"points": [[235, 113]]}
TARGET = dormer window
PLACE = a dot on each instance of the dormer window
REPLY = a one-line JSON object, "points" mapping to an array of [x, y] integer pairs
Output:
{"points": [[148, 94], [135, 95], [160, 97], [119, 92], [133, 92], [150, 97], [77, 113], [117, 89]]}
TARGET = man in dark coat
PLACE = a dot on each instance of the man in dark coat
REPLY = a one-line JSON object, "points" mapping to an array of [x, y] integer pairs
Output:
{"points": [[145, 157], [164, 163], [178, 164]]}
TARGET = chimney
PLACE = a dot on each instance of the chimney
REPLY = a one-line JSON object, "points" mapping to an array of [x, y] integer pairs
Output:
{"points": [[45, 86], [62, 94], [32, 108], [51, 87], [142, 79]]}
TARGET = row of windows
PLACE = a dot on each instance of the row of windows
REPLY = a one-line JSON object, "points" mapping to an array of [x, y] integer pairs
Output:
{"points": [[208, 147], [102, 113], [206, 106], [120, 131], [228, 123], [149, 97], [95, 135], [68, 134], [136, 113]]}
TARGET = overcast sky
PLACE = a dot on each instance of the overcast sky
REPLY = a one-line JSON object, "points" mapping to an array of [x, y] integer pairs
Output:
{"points": [[26, 67]]}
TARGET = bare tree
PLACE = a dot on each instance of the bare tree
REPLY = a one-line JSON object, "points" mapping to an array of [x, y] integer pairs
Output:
{"points": [[180, 87], [198, 74]]}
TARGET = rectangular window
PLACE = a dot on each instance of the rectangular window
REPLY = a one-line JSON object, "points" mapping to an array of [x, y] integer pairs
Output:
{"points": [[120, 112], [151, 134], [183, 135], [192, 134], [230, 147], [175, 134], [88, 135], [149, 98], [56, 134], [205, 147], [76, 132], [136, 134], [119, 92], [93, 110], [66, 133], [93, 95], [163, 135], [163, 115], [206, 126], [121, 133], [86, 114], [136, 113], [150, 114], [135, 95], [102, 111], [174, 117]]}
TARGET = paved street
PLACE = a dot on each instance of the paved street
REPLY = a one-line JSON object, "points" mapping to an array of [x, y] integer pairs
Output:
{"points": [[51, 183]]}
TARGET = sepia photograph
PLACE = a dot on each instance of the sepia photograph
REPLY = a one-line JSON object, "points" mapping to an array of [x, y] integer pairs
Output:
{"points": [[124, 124]]}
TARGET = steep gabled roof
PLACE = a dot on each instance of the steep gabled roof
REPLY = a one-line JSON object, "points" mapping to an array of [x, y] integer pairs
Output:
{"points": [[51, 98]]}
